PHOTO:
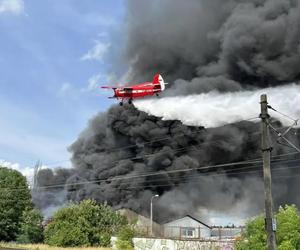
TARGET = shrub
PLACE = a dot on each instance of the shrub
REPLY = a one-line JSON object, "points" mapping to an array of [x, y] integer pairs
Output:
{"points": [[124, 241], [31, 227], [83, 224], [288, 231]]}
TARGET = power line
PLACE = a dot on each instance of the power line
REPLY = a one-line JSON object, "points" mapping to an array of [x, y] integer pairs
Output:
{"points": [[140, 157], [198, 177], [203, 168], [153, 141], [285, 115], [152, 174], [188, 178], [224, 172], [191, 178], [144, 143], [195, 179], [292, 145], [145, 175]]}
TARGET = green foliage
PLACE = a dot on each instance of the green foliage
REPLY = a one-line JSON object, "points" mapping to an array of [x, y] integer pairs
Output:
{"points": [[288, 231], [104, 238], [126, 233], [14, 199], [288, 219], [286, 245], [124, 241], [83, 224], [254, 237], [123, 245], [31, 227]]}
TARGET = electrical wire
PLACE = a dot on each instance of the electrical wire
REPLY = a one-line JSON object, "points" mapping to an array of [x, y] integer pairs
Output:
{"points": [[143, 144], [142, 175], [148, 174], [192, 179], [195, 178], [255, 165], [224, 172], [141, 157], [165, 172], [283, 138], [152, 141], [287, 116]]}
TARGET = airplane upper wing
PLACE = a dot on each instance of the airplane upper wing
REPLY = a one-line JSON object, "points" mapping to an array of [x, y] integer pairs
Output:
{"points": [[108, 87], [123, 88]]}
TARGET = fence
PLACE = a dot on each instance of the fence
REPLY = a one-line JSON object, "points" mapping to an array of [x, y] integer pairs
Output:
{"points": [[191, 233], [226, 232], [142, 243]]}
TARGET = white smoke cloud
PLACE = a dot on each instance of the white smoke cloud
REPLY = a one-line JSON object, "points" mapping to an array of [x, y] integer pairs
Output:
{"points": [[215, 109], [93, 83], [15, 7], [28, 172], [97, 52]]}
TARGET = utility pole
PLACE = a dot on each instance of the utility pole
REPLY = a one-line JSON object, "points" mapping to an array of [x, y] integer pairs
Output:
{"points": [[270, 223], [151, 214]]}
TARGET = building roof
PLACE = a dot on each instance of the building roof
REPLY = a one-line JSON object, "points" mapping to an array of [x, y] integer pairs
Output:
{"points": [[133, 216], [191, 217]]}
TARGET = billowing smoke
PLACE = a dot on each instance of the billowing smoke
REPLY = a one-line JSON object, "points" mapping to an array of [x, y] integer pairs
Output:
{"points": [[210, 51], [215, 44]]}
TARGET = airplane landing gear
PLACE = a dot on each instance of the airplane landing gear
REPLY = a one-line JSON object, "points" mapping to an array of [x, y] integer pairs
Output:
{"points": [[130, 101], [121, 103], [157, 94]]}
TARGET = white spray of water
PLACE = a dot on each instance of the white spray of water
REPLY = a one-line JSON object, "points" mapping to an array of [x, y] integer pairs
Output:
{"points": [[215, 109]]}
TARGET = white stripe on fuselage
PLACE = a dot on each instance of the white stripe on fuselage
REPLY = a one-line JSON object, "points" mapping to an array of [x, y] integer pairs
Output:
{"points": [[138, 91]]}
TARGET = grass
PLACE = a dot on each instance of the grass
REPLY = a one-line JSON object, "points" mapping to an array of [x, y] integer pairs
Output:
{"points": [[46, 247]]}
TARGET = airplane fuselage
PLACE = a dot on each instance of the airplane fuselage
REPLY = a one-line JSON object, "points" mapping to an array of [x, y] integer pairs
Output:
{"points": [[138, 90]]}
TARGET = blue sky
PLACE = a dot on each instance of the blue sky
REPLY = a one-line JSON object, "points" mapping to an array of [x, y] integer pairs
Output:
{"points": [[53, 56]]}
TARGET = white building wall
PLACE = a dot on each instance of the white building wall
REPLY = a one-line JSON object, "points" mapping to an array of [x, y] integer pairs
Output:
{"points": [[156, 243]]}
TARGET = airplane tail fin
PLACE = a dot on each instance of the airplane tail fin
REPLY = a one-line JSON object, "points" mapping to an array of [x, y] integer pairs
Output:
{"points": [[109, 87], [158, 80]]}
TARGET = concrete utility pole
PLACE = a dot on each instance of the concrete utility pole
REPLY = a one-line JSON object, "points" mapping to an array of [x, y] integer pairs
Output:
{"points": [[151, 213], [270, 223]]}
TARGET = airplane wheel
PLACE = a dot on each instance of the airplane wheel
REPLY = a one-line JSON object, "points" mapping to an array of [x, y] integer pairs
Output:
{"points": [[157, 95], [130, 101], [121, 103]]}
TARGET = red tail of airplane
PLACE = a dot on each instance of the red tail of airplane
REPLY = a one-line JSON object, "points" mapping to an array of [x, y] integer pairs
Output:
{"points": [[158, 80]]}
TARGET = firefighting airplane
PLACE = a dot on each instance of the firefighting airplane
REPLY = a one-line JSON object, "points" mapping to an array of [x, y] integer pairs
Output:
{"points": [[138, 90]]}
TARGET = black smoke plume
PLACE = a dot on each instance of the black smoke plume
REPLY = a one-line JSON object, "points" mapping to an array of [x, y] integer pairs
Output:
{"points": [[199, 46], [215, 44]]}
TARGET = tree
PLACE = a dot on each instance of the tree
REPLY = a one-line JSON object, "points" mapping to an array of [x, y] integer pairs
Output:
{"points": [[83, 224], [14, 199], [31, 230], [287, 234]]}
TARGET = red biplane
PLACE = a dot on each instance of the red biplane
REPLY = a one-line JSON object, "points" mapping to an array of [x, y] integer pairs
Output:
{"points": [[138, 90]]}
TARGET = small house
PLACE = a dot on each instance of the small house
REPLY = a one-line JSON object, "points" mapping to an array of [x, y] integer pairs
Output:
{"points": [[186, 227]]}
